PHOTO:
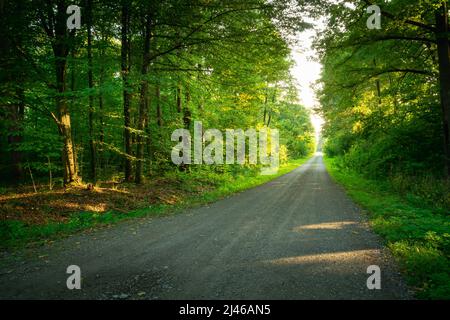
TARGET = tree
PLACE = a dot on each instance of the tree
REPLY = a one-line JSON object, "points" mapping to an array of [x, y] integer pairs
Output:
{"points": [[126, 51], [93, 160], [62, 42], [143, 101], [418, 48]]}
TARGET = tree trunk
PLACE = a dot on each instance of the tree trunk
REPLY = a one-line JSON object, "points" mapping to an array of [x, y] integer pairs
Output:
{"points": [[100, 156], [179, 105], [61, 51], [158, 105], [143, 101], [125, 56], [93, 164], [65, 129], [13, 112], [187, 113], [148, 139], [443, 47], [15, 135], [199, 76], [266, 100]]}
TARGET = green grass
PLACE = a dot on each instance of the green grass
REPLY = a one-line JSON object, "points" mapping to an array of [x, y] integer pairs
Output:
{"points": [[417, 234], [16, 234]]}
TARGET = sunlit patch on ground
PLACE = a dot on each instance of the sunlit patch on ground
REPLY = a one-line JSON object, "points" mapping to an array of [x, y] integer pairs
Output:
{"points": [[325, 226], [341, 257]]}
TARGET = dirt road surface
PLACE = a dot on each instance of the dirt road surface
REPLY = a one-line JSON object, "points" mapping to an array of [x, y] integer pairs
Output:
{"points": [[297, 237]]}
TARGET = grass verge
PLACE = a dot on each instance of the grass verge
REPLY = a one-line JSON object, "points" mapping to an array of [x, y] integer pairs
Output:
{"points": [[417, 235], [195, 188]]}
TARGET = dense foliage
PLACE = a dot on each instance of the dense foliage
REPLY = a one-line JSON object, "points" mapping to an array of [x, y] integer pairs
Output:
{"points": [[102, 101], [385, 93]]}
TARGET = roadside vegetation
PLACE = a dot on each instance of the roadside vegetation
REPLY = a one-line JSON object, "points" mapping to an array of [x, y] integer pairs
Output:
{"points": [[416, 230]]}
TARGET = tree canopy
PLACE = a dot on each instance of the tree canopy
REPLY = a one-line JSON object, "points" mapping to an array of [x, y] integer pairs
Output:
{"points": [[385, 92]]}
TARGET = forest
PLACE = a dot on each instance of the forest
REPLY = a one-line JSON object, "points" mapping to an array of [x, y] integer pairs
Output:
{"points": [[101, 102], [92, 91], [88, 108], [385, 94]]}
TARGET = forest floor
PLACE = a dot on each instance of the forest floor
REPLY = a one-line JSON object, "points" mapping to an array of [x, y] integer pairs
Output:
{"points": [[296, 237], [59, 205]]}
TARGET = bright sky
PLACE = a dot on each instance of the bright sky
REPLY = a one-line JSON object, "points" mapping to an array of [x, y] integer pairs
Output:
{"points": [[307, 72]]}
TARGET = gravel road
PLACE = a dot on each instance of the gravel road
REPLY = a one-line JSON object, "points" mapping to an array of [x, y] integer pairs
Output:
{"points": [[297, 237]]}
